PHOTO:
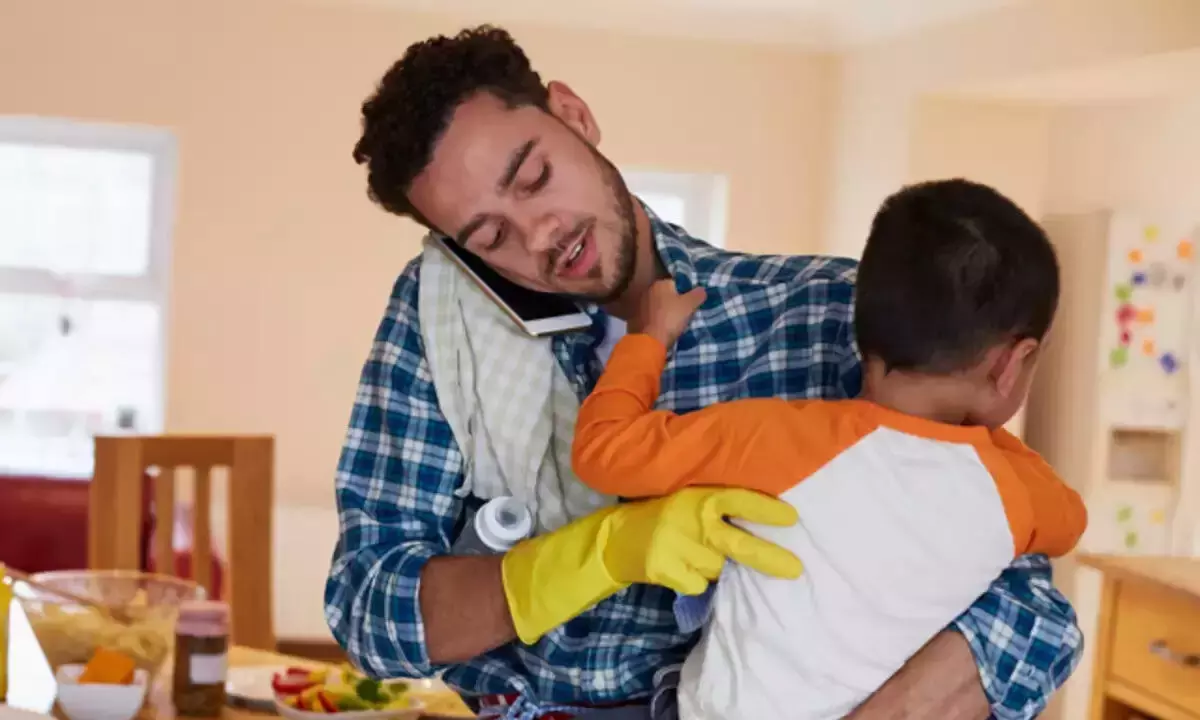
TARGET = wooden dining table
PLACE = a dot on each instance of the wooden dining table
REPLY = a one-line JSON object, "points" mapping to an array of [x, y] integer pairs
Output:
{"points": [[31, 684]]}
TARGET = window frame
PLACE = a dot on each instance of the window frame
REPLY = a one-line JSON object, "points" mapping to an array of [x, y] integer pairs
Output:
{"points": [[705, 198]]}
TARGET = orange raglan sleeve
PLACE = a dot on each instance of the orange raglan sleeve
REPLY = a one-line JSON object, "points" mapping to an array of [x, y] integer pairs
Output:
{"points": [[1058, 516], [624, 447]]}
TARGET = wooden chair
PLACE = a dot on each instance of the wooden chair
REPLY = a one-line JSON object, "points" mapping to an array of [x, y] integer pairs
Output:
{"points": [[115, 516]]}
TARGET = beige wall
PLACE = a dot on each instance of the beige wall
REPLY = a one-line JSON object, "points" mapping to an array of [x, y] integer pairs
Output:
{"points": [[1004, 145], [1140, 157], [880, 86], [281, 267]]}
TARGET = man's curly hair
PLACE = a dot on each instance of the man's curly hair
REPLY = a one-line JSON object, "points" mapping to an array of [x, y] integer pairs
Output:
{"points": [[416, 98]]}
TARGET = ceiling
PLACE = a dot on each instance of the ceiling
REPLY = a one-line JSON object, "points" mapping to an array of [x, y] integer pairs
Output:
{"points": [[812, 24], [1124, 80]]}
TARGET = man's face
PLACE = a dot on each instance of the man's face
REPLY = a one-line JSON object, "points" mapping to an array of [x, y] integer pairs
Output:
{"points": [[527, 192]]}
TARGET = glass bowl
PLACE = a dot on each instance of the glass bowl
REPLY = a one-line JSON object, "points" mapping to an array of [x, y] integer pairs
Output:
{"points": [[70, 633]]}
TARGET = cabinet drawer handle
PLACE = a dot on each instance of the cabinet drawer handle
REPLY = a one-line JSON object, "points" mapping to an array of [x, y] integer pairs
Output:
{"points": [[1162, 650]]}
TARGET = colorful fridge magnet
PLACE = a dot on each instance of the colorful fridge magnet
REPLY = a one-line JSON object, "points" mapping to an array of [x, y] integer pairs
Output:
{"points": [[1145, 316], [1138, 279], [1148, 347], [1150, 233], [1185, 249], [1169, 363], [1125, 292], [1125, 517], [1117, 357], [1135, 256], [1126, 314], [1131, 539], [1125, 337]]}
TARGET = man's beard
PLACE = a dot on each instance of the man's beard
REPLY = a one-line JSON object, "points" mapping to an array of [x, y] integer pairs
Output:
{"points": [[626, 231]]}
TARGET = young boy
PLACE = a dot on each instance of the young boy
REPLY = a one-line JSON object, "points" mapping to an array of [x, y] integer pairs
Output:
{"points": [[912, 498]]}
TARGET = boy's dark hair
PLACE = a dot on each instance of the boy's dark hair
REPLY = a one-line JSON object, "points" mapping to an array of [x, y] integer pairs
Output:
{"points": [[951, 268], [417, 96]]}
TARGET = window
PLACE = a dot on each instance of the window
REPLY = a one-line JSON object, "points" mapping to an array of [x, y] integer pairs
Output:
{"points": [[85, 214], [697, 202]]}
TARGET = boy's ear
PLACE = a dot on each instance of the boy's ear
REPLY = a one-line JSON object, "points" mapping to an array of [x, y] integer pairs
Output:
{"points": [[1008, 362]]}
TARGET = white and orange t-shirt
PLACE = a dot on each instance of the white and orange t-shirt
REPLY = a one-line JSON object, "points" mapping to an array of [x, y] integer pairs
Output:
{"points": [[904, 523]]}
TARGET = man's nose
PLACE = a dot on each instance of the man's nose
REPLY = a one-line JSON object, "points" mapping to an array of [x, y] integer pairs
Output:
{"points": [[544, 234]]}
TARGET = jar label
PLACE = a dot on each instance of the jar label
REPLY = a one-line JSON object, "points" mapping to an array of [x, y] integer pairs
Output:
{"points": [[208, 669]]}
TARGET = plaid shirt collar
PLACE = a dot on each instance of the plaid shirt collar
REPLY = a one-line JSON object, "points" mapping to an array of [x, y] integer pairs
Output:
{"points": [[672, 245]]}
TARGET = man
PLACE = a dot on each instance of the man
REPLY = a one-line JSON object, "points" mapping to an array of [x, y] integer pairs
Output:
{"points": [[463, 137]]}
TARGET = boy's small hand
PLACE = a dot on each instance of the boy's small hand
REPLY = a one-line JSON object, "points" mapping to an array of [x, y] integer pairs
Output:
{"points": [[664, 313]]}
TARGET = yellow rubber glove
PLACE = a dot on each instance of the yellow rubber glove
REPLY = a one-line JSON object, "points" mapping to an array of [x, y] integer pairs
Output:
{"points": [[6, 599], [680, 541]]}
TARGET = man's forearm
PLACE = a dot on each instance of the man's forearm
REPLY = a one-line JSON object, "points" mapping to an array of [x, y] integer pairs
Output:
{"points": [[940, 681], [464, 608]]}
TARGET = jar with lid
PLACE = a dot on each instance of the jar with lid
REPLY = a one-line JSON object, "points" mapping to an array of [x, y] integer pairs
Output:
{"points": [[201, 658]]}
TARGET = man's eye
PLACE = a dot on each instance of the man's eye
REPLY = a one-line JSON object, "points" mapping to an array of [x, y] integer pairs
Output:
{"points": [[497, 238], [541, 180]]}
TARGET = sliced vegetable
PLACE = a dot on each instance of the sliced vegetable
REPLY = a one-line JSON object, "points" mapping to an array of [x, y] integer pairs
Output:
{"points": [[350, 703], [344, 690], [308, 699], [293, 682], [325, 701], [371, 690]]}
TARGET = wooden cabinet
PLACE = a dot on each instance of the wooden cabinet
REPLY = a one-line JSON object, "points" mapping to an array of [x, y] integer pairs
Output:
{"points": [[1147, 642]]}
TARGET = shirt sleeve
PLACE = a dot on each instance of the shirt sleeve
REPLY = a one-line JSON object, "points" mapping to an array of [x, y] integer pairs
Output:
{"points": [[1058, 515], [1025, 639], [624, 447], [397, 507]]}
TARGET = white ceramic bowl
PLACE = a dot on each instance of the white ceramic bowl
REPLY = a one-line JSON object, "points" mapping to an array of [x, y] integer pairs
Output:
{"points": [[96, 701]]}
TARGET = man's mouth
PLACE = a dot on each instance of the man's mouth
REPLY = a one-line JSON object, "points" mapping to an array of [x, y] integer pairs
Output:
{"points": [[579, 257]]}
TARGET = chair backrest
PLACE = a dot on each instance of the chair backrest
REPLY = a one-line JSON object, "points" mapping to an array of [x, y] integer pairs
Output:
{"points": [[115, 510]]}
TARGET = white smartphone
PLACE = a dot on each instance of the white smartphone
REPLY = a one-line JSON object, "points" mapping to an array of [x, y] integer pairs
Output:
{"points": [[537, 313]]}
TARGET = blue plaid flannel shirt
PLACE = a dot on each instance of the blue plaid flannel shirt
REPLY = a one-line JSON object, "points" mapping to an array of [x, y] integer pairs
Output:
{"points": [[782, 329]]}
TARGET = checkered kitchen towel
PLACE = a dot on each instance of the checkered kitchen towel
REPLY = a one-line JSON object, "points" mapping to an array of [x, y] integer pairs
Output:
{"points": [[511, 407]]}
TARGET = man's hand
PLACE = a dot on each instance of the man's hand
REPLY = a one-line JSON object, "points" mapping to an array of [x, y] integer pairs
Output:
{"points": [[663, 313], [680, 541]]}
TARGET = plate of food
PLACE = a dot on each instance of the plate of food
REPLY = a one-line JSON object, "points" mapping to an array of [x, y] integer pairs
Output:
{"points": [[304, 693]]}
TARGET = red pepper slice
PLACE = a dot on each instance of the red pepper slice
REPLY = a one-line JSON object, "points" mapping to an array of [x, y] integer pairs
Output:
{"points": [[326, 702], [290, 684]]}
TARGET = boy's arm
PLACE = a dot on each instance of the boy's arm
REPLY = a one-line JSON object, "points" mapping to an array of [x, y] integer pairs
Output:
{"points": [[1059, 515], [623, 447]]}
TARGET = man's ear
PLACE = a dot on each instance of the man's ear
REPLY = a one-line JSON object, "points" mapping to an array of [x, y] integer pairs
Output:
{"points": [[565, 105], [1007, 364]]}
